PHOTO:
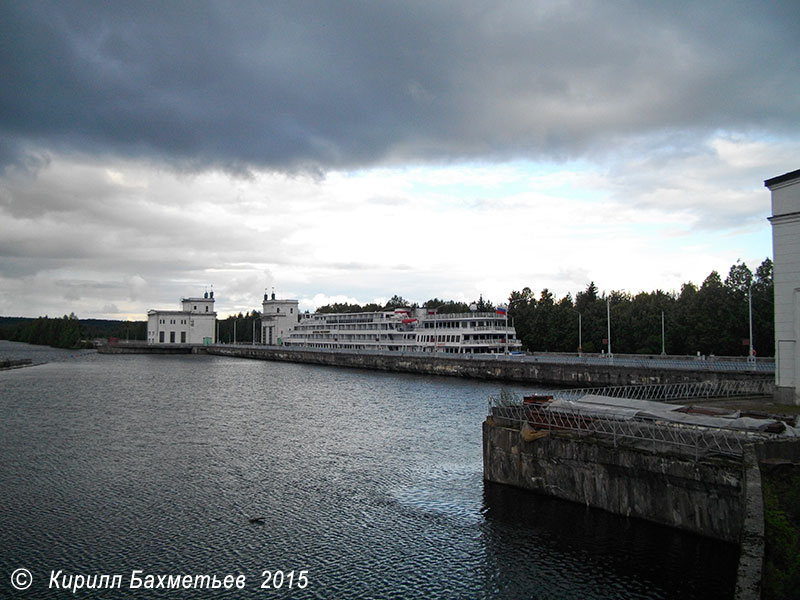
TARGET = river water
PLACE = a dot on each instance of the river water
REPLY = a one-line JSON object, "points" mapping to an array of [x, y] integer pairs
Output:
{"points": [[369, 482]]}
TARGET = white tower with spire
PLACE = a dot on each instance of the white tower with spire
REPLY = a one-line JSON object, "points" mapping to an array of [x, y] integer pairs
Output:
{"points": [[278, 318]]}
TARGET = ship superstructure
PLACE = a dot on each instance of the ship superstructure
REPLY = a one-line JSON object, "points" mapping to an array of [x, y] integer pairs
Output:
{"points": [[407, 330]]}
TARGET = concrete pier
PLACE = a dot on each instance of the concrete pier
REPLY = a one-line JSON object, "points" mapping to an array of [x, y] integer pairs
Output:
{"points": [[15, 363], [519, 369], [557, 370], [145, 348], [703, 496], [715, 494]]}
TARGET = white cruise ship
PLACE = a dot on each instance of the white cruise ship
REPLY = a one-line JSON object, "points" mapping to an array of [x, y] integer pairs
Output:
{"points": [[407, 330]]}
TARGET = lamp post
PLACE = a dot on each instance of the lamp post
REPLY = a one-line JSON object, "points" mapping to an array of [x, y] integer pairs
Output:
{"points": [[580, 332], [663, 352], [751, 356], [608, 318]]}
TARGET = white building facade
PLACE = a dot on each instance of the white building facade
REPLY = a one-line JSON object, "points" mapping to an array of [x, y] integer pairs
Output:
{"points": [[195, 323], [278, 318], [785, 221]]}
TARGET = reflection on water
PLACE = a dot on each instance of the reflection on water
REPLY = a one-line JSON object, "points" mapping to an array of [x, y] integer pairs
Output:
{"points": [[584, 552], [370, 481]]}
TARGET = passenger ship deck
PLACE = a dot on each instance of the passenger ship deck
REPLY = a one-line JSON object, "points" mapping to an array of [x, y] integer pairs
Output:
{"points": [[407, 330]]}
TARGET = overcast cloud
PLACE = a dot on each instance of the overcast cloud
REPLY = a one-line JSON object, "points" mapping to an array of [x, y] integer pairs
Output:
{"points": [[361, 149]]}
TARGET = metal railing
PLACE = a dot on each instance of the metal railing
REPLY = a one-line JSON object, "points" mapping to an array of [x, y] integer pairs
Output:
{"points": [[668, 363], [470, 316], [665, 392], [622, 427], [737, 364]]}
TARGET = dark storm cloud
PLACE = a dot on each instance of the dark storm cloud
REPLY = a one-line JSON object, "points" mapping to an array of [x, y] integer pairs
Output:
{"points": [[317, 85]]}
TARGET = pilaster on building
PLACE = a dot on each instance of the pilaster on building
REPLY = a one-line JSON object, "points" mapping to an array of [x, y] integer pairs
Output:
{"points": [[785, 221]]}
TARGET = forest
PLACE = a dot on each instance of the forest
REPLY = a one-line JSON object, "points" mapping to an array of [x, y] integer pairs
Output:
{"points": [[711, 319], [68, 331]]}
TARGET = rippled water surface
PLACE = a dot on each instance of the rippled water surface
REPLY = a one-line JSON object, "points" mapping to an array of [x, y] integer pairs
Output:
{"points": [[369, 481]]}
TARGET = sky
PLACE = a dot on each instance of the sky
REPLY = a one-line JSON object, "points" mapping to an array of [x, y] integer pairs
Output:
{"points": [[351, 151]]}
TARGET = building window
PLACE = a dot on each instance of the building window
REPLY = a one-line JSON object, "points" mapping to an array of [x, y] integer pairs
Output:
{"points": [[161, 337], [183, 337], [206, 309], [171, 337]]}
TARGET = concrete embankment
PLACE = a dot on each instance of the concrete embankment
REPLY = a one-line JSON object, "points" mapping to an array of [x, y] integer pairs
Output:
{"points": [[145, 348], [503, 368], [699, 495], [709, 494], [15, 363]]}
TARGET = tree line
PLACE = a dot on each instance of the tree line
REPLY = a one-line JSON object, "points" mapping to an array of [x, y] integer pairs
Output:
{"points": [[68, 331], [711, 319], [397, 301], [240, 328]]}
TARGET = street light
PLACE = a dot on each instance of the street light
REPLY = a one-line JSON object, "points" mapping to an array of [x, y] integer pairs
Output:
{"points": [[663, 352], [580, 332], [751, 355], [608, 318]]}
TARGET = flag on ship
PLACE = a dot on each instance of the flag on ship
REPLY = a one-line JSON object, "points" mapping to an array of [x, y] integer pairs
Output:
{"points": [[502, 310]]}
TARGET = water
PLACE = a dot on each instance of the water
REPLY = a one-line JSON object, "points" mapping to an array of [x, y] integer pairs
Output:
{"points": [[370, 481], [37, 354]]}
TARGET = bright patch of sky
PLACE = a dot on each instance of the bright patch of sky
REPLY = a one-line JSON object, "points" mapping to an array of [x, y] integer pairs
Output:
{"points": [[457, 231]]}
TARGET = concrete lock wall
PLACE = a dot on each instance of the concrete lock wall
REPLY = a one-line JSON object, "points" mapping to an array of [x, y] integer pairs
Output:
{"points": [[510, 369], [705, 496], [478, 367]]}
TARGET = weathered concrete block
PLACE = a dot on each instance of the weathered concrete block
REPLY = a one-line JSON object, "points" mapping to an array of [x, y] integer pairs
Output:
{"points": [[703, 496]]}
